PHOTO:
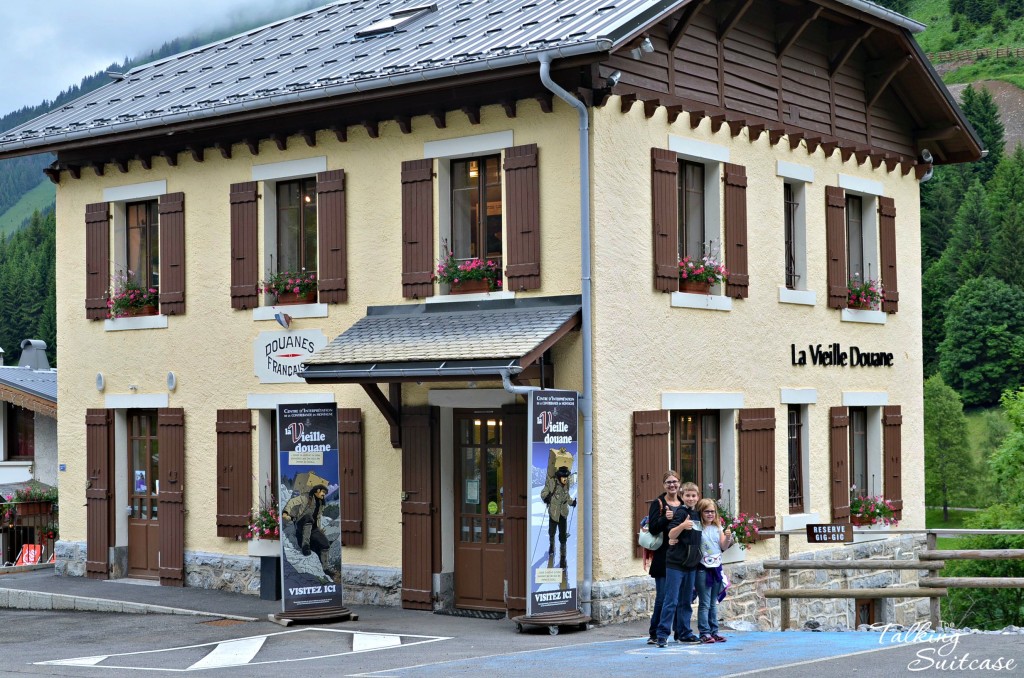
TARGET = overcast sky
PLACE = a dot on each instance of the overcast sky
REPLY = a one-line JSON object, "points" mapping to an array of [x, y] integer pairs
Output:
{"points": [[48, 45]]}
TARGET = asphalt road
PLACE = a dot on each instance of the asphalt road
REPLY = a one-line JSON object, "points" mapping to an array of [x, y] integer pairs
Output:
{"points": [[383, 643]]}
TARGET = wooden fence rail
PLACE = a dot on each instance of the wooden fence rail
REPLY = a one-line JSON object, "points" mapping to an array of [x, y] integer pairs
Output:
{"points": [[930, 560], [975, 54]]}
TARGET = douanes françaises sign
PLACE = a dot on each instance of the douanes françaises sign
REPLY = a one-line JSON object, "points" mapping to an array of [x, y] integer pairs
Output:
{"points": [[833, 355]]}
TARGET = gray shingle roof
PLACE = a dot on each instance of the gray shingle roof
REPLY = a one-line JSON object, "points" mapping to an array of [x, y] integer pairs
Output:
{"points": [[407, 334], [318, 54], [42, 383]]}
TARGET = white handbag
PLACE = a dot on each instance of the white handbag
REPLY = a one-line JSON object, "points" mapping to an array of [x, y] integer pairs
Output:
{"points": [[649, 541]]}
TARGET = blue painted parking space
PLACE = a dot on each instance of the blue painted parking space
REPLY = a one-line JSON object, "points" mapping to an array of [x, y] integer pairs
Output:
{"points": [[743, 652]]}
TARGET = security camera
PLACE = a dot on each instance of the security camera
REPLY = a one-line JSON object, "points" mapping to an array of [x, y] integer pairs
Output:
{"points": [[926, 155]]}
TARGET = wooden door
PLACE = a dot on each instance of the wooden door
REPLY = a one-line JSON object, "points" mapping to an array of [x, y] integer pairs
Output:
{"points": [[419, 467], [479, 510], [143, 487]]}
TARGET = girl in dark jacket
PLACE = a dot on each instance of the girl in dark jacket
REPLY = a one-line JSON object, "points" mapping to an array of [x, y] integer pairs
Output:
{"points": [[663, 509]]}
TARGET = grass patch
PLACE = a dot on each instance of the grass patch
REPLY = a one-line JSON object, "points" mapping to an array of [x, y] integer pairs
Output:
{"points": [[933, 520], [39, 198]]}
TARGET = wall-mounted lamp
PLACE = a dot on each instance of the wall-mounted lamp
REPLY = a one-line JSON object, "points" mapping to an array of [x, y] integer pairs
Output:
{"points": [[172, 381], [133, 388], [645, 47], [926, 155], [283, 319], [613, 79], [101, 383]]}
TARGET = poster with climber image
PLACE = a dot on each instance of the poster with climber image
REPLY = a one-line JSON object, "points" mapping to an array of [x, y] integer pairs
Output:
{"points": [[309, 506], [554, 518]]}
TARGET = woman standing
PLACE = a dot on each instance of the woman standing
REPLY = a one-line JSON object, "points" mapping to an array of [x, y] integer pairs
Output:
{"points": [[662, 511]]}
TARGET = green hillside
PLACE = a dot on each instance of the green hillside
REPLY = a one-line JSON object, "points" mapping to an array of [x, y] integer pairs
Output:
{"points": [[39, 198]]}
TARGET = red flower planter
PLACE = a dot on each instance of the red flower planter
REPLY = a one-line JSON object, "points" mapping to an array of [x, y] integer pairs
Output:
{"points": [[694, 286], [287, 298], [470, 287], [861, 522], [148, 309]]}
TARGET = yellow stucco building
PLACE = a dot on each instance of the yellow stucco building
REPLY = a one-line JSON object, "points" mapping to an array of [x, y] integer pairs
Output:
{"points": [[360, 142]]}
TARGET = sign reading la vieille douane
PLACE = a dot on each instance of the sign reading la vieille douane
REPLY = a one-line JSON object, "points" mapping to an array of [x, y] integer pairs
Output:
{"points": [[833, 355]]}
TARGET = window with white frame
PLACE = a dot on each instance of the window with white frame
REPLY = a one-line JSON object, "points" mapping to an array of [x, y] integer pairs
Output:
{"points": [[142, 243], [290, 235], [476, 216], [699, 196], [862, 236]]}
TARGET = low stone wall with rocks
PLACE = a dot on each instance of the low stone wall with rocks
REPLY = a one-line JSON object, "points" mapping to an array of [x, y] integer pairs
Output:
{"points": [[364, 585], [746, 607]]}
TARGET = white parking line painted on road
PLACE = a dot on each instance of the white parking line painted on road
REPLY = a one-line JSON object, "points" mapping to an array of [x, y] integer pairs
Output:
{"points": [[367, 643], [231, 653], [81, 661], [363, 642]]}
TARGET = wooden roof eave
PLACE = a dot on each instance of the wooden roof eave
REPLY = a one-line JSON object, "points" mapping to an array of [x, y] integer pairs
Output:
{"points": [[35, 403]]}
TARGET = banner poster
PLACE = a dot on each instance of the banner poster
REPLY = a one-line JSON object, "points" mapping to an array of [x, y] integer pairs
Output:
{"points": [[553, 446], [310, 506]]}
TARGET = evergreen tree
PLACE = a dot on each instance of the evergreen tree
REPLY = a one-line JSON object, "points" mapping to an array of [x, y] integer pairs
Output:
{"points": [[948, 466], [966, 256], [983, 348], [981, 110], [1007, 185], [1007, 263]]}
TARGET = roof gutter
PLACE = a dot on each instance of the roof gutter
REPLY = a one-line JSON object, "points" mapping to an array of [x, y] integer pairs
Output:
{"points": [[311, 374], [493, 64], [586, 398]]}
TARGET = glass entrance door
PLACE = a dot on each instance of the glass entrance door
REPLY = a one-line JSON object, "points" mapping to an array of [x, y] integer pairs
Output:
{"points": [[143, 487], [480, 511]]}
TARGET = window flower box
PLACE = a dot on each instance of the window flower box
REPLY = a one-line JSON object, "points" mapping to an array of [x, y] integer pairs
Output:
{"points": [[288, 298], [128, 298], [695, 286], [470, 287], [148, 309], [864, 295], [290, 287], [265, 548]]}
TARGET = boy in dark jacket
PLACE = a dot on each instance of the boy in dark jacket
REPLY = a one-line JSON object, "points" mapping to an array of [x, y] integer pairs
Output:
{"points": [[681, 561]]}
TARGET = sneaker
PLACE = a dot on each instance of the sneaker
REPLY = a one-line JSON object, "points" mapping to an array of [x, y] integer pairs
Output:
{"points": [[662, 643], [718, 638], [705, 639], [652, 641], [689, 639]]}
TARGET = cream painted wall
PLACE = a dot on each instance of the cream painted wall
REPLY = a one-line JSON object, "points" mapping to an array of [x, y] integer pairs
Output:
{"points": [[643, 347], [209, 348]]}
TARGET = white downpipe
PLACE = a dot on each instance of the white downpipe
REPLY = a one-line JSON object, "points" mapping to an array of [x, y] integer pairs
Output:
{"points": [[586, 403]]}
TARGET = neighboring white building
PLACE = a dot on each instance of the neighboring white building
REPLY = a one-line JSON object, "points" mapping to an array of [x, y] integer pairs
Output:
{"points": [[28, 418]]}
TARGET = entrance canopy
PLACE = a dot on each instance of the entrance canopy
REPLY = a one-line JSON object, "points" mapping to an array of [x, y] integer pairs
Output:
{"points": [[455, 341]]}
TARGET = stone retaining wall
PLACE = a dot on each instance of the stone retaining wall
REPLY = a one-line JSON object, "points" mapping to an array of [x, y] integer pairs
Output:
{"points": [[631, 599]]}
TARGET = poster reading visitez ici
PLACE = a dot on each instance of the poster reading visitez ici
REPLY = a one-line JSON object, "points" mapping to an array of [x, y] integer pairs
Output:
{"points": [[553, 443], [310, 506]]}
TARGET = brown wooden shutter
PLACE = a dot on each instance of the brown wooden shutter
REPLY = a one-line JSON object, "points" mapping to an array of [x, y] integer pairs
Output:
{"points": [[650, 461], [333, 273], [522, 218], [514, 432], [244, 245], [736, 254], [835, 246], [838, 447], [892, 422], [887, 236], [170, 436], [417, 229], [172, 253], [234, 471], [97, 260], [665, 219], [350, 445], [756, 443], [418, 508], [99, 454]]}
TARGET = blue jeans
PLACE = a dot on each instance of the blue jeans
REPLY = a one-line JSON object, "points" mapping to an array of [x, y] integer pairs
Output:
{"points": [[677, 606], [707, 611], [659, 598]]}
